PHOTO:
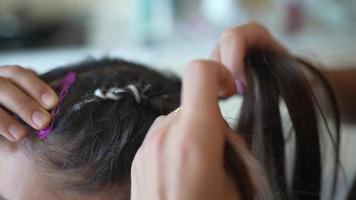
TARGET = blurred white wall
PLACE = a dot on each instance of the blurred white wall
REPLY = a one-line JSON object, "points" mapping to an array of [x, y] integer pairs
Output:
{"points": [[167, 34], [43, 10]]}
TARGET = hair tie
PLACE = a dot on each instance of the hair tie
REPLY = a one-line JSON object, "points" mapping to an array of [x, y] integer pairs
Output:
{"points": [[135, 92], [62, 88], [113, 93]]}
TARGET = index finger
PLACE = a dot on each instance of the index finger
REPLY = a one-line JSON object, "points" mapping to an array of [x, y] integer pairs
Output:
{"points": [[203, 83], [235, 43], [29, 82]]}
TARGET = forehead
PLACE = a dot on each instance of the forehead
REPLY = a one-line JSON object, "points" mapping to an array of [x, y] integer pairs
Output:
{"points": [[23, 179], [20, 178]]}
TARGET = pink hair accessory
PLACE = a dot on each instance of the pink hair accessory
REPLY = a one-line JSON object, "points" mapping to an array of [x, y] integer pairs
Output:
{"points": [[240, 87], [62, 89]]}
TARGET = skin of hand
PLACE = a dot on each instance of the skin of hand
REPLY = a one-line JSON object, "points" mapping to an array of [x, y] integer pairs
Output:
{"points": [[343, 81], [235, 42], [182, 154], [25, 95]]}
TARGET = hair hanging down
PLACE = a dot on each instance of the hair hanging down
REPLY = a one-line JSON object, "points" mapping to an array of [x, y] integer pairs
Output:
{"points": [[352, 193], [95, 138], [273, 78]]}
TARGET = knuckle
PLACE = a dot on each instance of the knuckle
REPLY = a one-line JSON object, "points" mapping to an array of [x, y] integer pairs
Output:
{"points": [[31, 71], [137, 158], [197, 63], [158, 120], [38, 86], [231, 34], [152, 144], [259, 28], [157, 140], [4, 81], [3, 126], [4, 122], [16, 70], [186, 143], [24, 104], [237, 33], [202, 68], [39, 89], [186, 149], [135, 165], [197, 66], [256, 24]]}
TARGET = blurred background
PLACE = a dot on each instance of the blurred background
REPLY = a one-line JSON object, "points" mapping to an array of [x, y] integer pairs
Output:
{"points": [[167, 34]]}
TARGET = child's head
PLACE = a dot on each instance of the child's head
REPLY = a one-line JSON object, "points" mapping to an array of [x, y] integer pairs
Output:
{"points": [[90, 150], [89, 153]]}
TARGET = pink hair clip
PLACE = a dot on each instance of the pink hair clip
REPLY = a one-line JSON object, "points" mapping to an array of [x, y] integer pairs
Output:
{"points": [[240, 87], [62, 89]]}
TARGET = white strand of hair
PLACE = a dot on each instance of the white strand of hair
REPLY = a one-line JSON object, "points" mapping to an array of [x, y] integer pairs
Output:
{"points": [[113, 93]]}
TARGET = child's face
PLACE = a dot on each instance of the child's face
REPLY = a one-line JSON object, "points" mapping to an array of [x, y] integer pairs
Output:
{"points": [[21, 179]]}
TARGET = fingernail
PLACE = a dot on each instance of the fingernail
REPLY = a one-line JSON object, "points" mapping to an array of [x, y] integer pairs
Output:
{"points": [[40, 119], [16, 132], [240, 87], [49, 99]]}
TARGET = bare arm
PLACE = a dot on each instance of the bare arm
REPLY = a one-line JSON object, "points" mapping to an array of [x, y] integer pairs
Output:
{"points": [[343, 82]]}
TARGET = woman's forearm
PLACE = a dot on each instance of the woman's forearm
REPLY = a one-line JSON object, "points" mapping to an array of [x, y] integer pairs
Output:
{"points": [[343, 82]]}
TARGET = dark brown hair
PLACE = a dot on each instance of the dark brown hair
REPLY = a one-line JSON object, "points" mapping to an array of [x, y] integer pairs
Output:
{"points": [[94, 141], [352, 193], [272, 79]]}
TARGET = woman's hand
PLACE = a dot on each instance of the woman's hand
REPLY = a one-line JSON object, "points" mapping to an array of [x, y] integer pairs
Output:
{"points": [[182, 154], [24, 94], [234, 44]]}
